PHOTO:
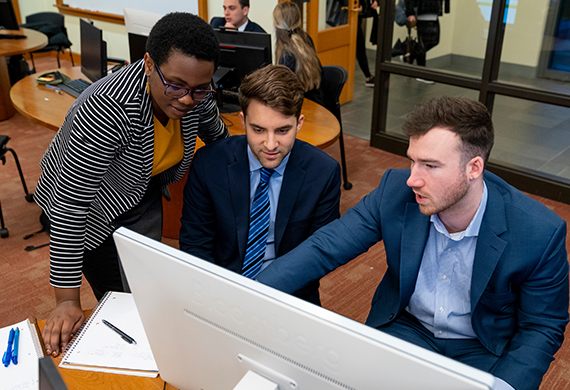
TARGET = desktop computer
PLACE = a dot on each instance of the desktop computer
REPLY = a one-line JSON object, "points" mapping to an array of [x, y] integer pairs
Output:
{"points": [[138, 24], [8, 16], [210, 328]]}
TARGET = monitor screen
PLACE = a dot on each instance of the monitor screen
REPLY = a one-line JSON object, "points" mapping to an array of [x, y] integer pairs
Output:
{"points": [[93, 51], [138, 24], [8, 16], [210, 328], [242, 52]]}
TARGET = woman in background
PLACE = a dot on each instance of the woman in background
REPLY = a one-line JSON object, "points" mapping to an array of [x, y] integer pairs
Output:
{"points": [[295, 49]]}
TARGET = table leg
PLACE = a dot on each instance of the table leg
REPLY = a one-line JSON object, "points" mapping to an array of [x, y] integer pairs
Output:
{"points": [[6, 107]]}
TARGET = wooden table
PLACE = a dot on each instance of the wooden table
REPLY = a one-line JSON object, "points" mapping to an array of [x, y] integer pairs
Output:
{"points": [[45, 106], [91, 380], [8, 47]]}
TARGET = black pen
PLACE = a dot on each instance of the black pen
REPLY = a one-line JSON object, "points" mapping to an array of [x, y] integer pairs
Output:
{"points": [[123, 335]]}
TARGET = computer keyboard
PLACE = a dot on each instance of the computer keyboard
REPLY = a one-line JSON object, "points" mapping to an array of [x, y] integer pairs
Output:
{"points": [[74, 87]]}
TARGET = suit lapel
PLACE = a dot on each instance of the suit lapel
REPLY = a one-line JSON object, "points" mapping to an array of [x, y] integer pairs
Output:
{"points": [[291, 186], [413, 241], [490, 246], [238, 175]]}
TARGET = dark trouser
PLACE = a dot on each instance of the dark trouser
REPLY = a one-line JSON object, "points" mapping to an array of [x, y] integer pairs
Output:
{"points": [[361, 50], [428, 33], [101, 266], [467, 351]]}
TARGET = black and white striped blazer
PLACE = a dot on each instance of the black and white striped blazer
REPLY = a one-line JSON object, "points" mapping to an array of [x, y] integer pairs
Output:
{"points": [[99, 165]]}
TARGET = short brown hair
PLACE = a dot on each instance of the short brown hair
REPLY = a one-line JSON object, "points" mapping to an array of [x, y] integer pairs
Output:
{"points": [[469, 119], [274, 86]]}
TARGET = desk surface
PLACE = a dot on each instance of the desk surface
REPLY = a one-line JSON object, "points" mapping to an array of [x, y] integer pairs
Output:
{"points": [[45, 106], [91, 380], [8, 47]]}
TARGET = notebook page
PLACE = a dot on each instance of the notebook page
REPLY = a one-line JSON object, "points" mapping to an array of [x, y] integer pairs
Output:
{"points": [[103, 349], [25, 374]]}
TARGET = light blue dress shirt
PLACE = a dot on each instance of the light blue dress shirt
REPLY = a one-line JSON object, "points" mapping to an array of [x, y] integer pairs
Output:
{"points": [[275, 183], [442, 298]]}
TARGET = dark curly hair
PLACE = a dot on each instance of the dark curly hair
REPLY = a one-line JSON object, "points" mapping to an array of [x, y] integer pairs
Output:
{"points": [[467, 118], [186, 33]]}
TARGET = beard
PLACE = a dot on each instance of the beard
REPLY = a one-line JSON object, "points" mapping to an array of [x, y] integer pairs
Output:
{"points": [[452, 196]]}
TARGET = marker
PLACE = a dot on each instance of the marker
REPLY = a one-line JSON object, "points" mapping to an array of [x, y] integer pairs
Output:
{"points": [[8, 354], [123, 335], [16, 345]]}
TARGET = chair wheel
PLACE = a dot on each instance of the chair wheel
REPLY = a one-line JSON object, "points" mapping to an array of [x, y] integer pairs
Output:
{"points": [[4, 233], [347, 185], [30, 198]]}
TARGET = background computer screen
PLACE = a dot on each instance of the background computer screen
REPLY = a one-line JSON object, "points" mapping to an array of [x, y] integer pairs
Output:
{"points": [[138, 24], [8, 16], [242, 52], [93, 51], [208, 327]]}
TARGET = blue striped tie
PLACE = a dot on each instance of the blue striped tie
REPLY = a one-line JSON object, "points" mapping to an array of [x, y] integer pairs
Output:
{"points": [[258, 227]]}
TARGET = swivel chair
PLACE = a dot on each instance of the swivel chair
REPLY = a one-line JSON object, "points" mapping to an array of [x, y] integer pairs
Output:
{"points": [[29, 197], [35, 21], [333, 79]]}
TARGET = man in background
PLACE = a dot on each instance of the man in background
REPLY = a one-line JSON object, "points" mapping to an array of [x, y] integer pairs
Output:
{"points": [[254, 197], [235, 16]]}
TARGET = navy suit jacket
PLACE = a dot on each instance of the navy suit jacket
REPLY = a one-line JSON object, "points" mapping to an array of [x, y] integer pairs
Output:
{"points": [[215, 215], [218, 22], [519, 289]]}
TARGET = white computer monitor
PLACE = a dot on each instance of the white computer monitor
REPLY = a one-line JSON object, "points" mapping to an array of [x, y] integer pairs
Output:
{"points": [[138, 24], [208, 327]]}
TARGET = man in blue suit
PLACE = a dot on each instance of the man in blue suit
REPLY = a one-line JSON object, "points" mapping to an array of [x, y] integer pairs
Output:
{"points": [[303, 187], [235, 16], [477, 271]]}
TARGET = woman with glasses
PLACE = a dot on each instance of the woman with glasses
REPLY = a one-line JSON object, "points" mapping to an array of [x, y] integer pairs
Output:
{"points": [[123, 141], [294, 48]]}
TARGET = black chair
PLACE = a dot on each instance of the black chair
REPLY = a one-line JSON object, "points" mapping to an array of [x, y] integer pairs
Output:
{"points": [[58, 39], [332, 81], [29, 197]]}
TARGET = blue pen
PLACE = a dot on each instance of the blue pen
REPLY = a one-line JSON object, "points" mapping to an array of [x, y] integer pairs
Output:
{"points": [[16, 345], [58, 90], [8, 354]]}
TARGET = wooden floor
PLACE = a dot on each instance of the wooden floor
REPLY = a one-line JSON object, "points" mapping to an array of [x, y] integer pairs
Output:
{"points": [[24, 285]]}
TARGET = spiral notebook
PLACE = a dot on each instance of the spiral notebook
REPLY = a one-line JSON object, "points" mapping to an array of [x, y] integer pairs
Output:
{"points": [[96, 347], [23, 375]]}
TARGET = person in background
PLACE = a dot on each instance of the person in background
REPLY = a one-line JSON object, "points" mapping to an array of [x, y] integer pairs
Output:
{"points": [[123, 141], [424, 14], [477, 271], [294, 48], [235, 16], [361, 41], [225, 180]]}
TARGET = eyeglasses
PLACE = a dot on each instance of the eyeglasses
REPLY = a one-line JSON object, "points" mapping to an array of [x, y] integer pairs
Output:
{"points": [[176, 92]]}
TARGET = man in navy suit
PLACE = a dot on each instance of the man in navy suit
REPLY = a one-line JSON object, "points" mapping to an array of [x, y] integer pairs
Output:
{"points": [[477, 271], [235, 16], [304, 187]]}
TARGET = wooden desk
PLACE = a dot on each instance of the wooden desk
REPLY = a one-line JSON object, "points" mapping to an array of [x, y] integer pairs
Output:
{"points": [[91, 380], [9, 47], [45, 106]]}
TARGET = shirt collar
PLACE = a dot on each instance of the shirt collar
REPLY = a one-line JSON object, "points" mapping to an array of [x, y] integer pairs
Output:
{"points": [[255, 165], [243, 26], [474, 226]]}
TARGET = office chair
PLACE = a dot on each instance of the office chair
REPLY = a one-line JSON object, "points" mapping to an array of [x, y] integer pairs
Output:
{"points": [[29, 197], [332, 81], [58, 39]]}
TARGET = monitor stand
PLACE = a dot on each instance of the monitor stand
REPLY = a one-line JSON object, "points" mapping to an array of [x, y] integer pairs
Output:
{"points": [[253, 381]]}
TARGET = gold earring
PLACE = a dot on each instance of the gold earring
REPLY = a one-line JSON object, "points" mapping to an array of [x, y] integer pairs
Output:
{"points": [[147, 87]]}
